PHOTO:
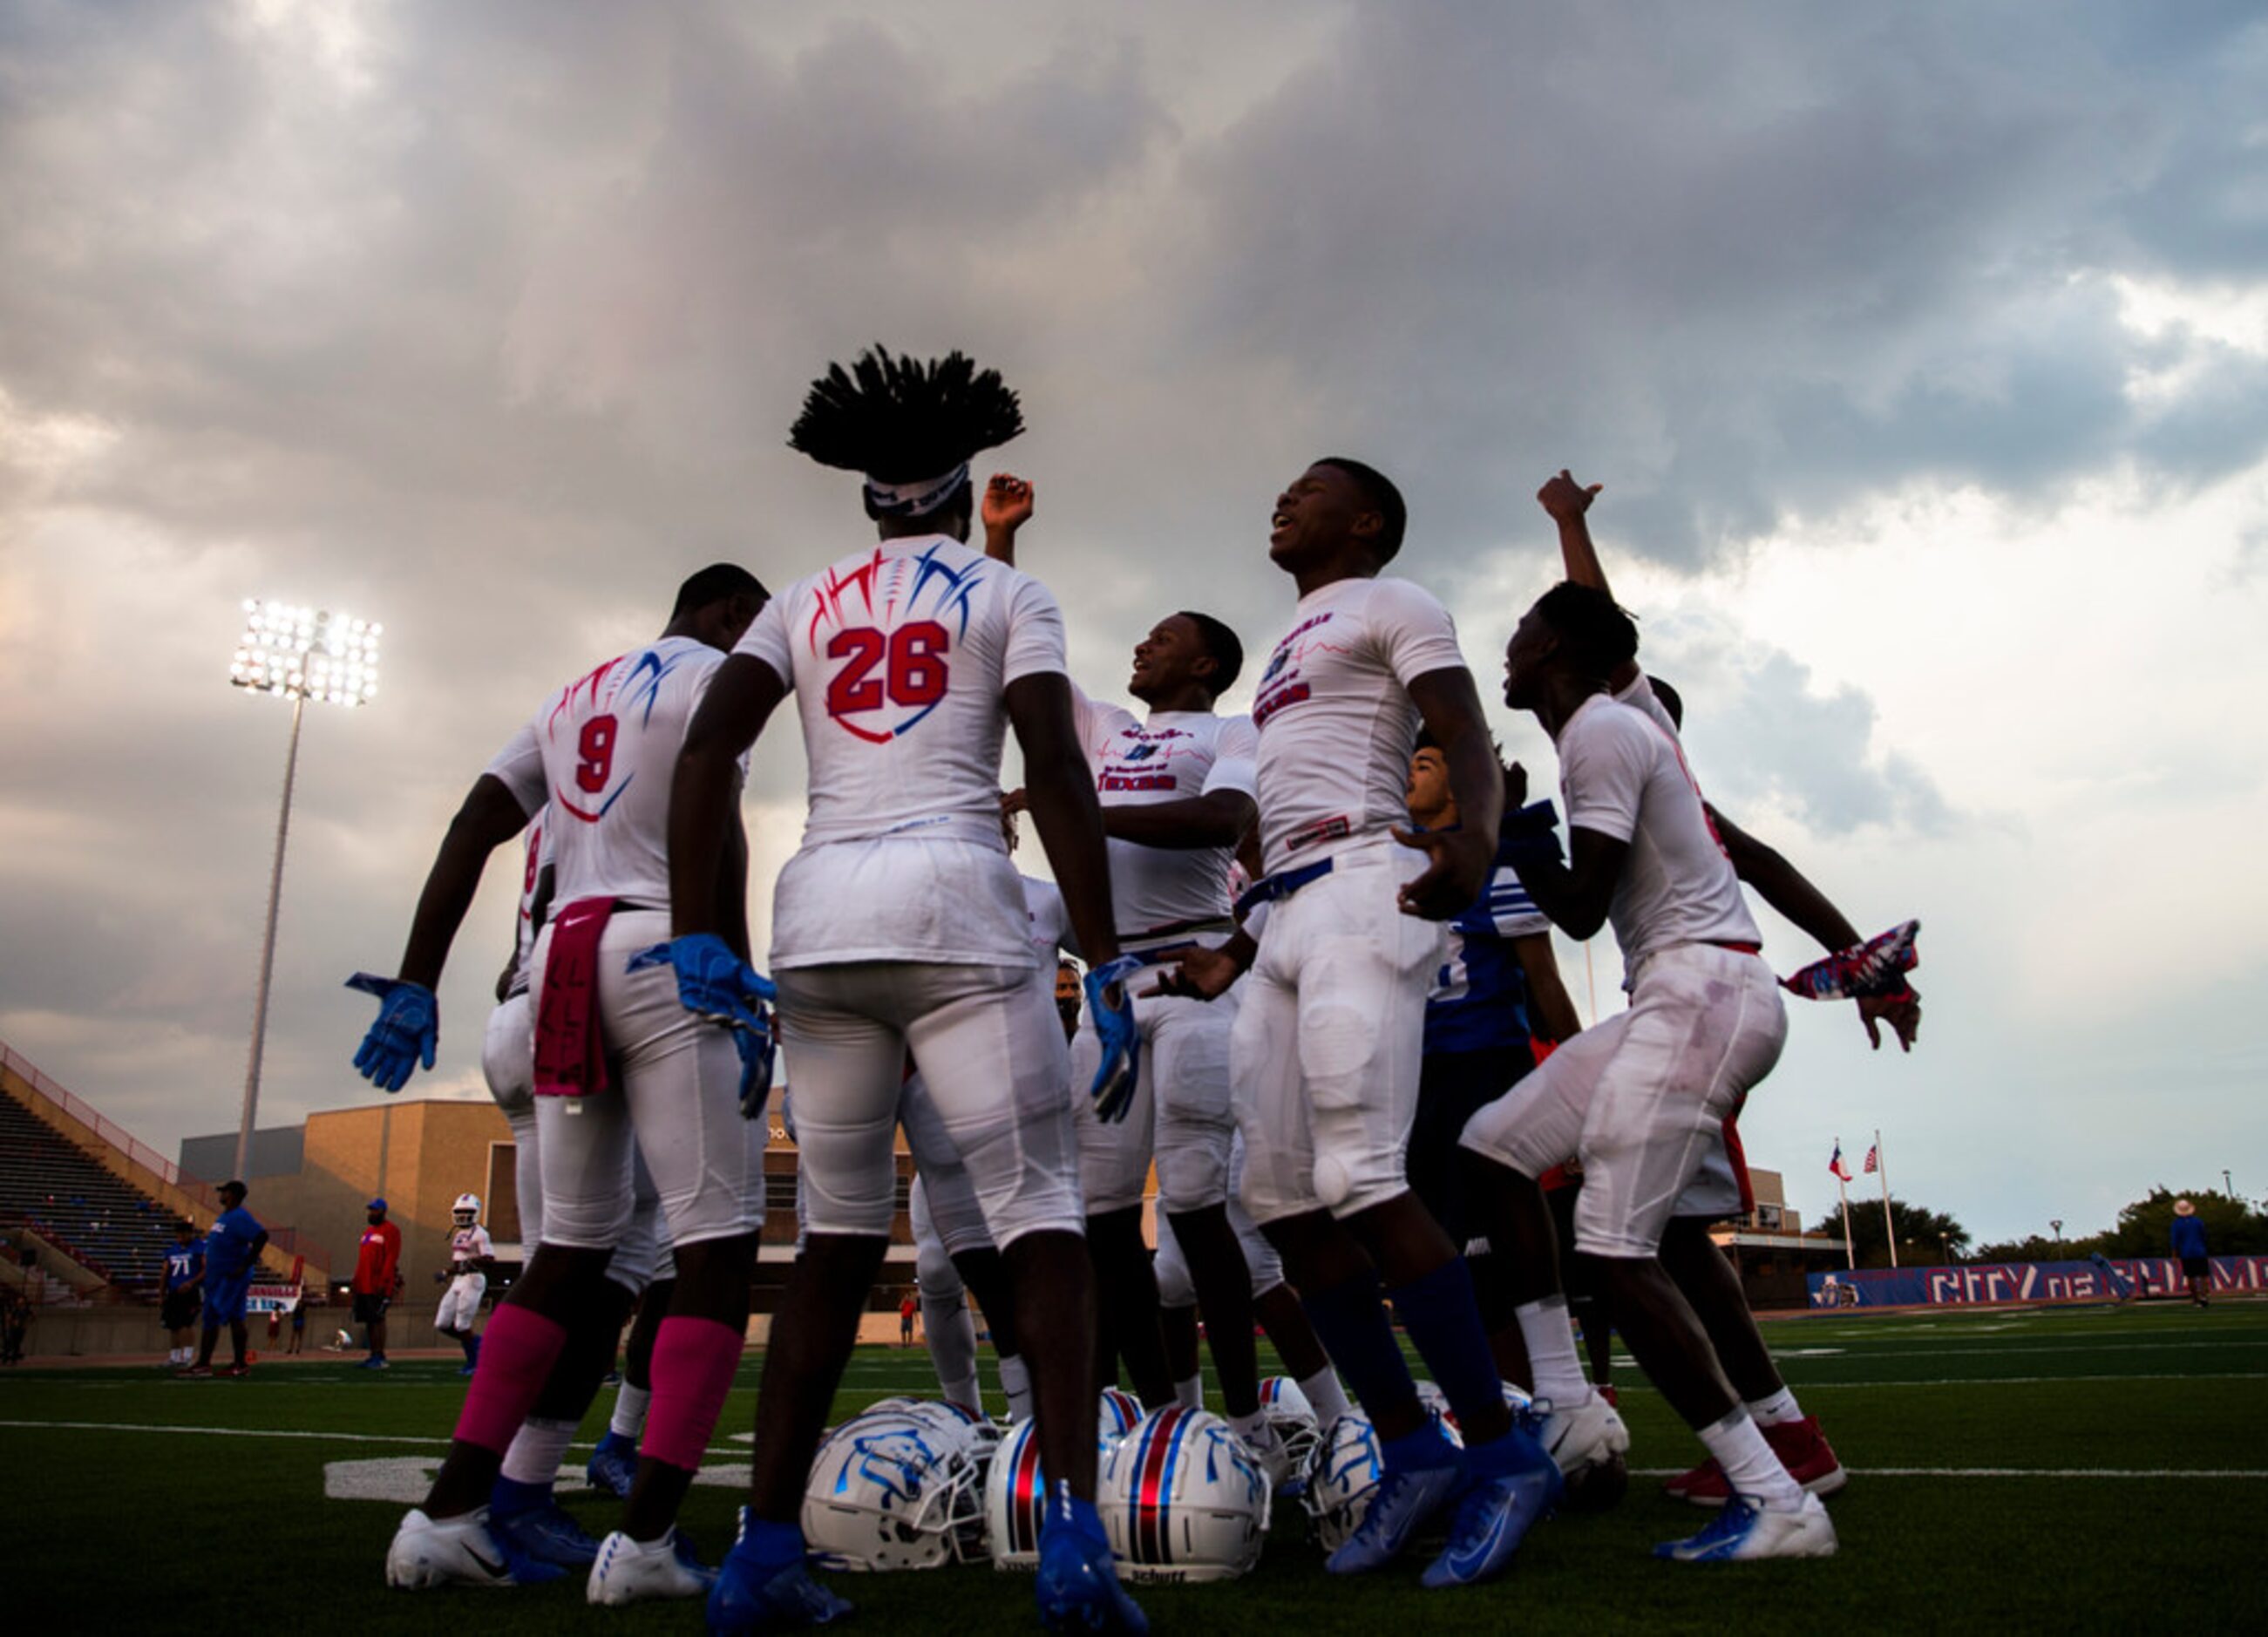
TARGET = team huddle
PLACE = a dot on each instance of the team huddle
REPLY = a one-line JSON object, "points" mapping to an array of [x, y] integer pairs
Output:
{"points": [[1319, 1004]]}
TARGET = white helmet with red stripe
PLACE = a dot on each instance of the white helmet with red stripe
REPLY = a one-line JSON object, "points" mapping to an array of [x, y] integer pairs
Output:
{"points": [[895, 1488], [1016, 1496], [1120, 1412], [1295, 1420], [1182, 1498]]}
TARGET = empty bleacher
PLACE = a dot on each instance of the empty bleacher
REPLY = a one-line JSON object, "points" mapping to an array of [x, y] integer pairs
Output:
{"points": [[76, 1205]]}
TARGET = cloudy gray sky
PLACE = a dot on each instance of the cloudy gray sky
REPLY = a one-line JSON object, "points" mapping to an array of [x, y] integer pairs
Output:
{"points": [[1923, 351]]}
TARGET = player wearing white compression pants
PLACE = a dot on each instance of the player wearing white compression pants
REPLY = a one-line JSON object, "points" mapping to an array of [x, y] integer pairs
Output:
{"points": [[1326, 1050], [624, 1061], [898, 927], [1176, 792], [1640, 1097], [471, 1255]]}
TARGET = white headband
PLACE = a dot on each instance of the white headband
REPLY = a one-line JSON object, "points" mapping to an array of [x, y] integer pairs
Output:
{"points": [[918, 498]]}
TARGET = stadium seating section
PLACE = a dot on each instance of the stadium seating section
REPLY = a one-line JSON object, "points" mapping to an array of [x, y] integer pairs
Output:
{"points": [[76, 1205]]}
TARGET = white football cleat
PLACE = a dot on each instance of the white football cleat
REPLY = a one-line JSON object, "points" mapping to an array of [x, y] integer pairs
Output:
{"points": [[627, 1571], [1745, 1530], [452, 1552], [1584, 1434]]}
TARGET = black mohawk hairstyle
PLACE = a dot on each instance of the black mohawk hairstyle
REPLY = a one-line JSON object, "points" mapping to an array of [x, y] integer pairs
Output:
{"points": [[900, 419]]}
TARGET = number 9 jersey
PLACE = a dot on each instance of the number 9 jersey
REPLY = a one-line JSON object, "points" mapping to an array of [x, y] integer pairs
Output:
{"points": [[898, 656], [603, 751]]}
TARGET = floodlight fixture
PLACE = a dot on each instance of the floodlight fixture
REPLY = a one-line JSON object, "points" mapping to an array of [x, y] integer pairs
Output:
{"points": [[298, 654]]}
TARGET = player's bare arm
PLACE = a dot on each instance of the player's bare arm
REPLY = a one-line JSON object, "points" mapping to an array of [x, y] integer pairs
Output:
{"points": [[1059, 791], [1217, 820], [1575, 894], [1569, 503], [732, 890], [489, 816], [1450, 707], [1006, 507], [1784, 886], [1208, 974], [740, 699], [1552, 1010]]}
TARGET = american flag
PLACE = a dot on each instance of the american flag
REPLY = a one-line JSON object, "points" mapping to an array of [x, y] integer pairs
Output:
{"points": [[1873, 1161], [1835, 1162]]}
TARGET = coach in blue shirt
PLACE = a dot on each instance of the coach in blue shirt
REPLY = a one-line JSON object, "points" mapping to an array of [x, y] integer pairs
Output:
{"points": [[232, 1249], [2189, 1245]]}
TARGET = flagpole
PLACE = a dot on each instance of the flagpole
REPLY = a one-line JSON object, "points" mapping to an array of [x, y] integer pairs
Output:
{"points": [[1850, 1255], [1882, 1168]]}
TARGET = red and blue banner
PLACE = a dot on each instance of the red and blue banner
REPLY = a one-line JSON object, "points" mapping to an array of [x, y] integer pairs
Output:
{"points": [[1989, 1282]]}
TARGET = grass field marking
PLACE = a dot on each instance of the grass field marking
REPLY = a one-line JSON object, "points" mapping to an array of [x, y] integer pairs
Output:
{"points": [[2156, 1472], [225, 1432], [1810, 1386], [2064, 1348]]}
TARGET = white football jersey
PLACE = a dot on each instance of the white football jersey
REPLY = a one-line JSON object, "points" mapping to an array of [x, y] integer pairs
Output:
{"points": [[467, 1244], [602, 750], [1624, 775], [536, 852], [899, 655], [1174, 756], [1334, 718]]}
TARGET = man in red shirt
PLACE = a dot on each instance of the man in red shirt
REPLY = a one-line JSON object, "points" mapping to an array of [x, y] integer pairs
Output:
{"points": [[377, 1276]]}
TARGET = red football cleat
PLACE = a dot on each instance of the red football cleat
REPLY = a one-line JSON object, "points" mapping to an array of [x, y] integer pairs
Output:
{"points": [[1802, 1449]]}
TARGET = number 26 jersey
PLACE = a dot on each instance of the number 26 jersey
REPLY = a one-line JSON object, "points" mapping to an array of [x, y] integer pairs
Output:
{"points": [[602, 752], [899, 655]]}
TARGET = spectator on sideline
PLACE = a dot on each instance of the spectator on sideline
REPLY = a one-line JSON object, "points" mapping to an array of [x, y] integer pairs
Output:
{"points": [[181, 1292], [905, 1321], [377, 1277], [2189, 1245], [15, 1319], [298, 1324], [233, 1251]]}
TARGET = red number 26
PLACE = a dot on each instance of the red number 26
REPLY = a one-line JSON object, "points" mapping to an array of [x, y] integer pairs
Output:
{"points": [[914, 676]]}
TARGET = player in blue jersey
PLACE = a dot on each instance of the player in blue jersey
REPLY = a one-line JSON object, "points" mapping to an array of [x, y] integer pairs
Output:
{"points": [[233, 1251], [180, 1293]]}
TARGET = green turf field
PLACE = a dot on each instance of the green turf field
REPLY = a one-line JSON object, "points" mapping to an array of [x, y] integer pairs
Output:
{"points": [[2084, 1469]]}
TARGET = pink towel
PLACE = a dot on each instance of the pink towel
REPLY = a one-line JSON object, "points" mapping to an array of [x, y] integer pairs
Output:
{"points": [[571, 1058]]}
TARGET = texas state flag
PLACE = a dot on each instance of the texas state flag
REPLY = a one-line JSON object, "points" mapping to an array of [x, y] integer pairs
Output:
{"points": [[1835, 1162]]}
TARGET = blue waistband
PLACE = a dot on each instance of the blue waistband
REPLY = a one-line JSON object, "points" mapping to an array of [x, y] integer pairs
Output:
{"points": [[1281, 884]]}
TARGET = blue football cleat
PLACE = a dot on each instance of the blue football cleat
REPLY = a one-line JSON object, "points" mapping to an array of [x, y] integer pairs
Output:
{"points": [[614, 1465], [545, 1534], [1404, 1500], [1079, 1588], [1496, 1514], [752, 1596]]}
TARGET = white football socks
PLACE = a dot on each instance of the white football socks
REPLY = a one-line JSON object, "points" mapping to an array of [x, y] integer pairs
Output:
{"points": [[1551, 1357], [1016, 1381], [537, 1449], [1750, 1467], [1190, 1394], [630, 1409], [1776, 1411], [1324, 1395]]}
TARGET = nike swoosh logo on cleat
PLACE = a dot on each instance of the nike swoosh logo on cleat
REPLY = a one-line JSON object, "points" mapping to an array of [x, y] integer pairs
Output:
{"points": [[494, 1570]]}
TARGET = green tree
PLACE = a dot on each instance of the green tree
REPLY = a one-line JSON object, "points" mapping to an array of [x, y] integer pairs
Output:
{"points": [[2232, 1227], [1925, 1236]]}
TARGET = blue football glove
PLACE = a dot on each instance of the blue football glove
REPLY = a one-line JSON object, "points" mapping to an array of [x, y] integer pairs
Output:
{"points": [[717, 986], [712, 982], [1113, 1090], [409, 1028]]}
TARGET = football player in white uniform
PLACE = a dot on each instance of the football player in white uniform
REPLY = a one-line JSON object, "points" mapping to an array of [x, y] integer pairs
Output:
{"points": [[599, 752], [471, 1255], [1176, 792], [1327, 1043], [899, 925], [1639, 1098]]}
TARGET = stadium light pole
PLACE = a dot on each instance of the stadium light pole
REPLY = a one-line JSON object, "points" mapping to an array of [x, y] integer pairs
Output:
{"points": [[299, 654]]}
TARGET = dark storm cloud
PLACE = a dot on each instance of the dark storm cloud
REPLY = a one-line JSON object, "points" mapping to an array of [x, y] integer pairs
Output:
{"points": [[1745, 262]]}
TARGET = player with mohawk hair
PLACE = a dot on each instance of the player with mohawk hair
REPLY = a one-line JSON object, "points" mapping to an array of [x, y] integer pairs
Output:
{"points": [[899, 925]]}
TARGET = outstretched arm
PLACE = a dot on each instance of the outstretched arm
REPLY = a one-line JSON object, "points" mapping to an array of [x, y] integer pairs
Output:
{"points": [[489, 816], [705, 841], [1219, 819], [1576, 895], [1784, 886], [1006, 507], [1568, 502]]}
